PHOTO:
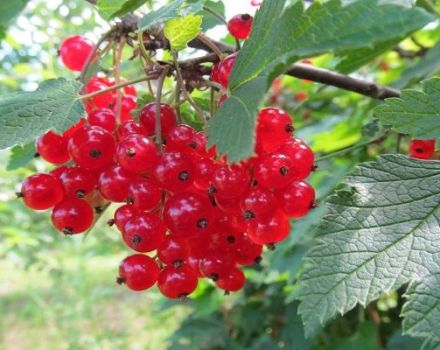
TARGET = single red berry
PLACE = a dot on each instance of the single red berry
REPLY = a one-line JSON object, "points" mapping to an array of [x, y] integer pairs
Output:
{"points": [[41, 191], [221, 72], [258, 203], [203, 170], [52, 148], [92, 147], [194, 263], [128, 104], [229, 206], [103, 100], [78, 182], [74, 128], [144, 232], [72, 216], [296, 199], [271, 230], [138, 272], [123, 214], [247, 252], [174, 171], [57, 172], [274, 128], [422, 149], [224, 238], [74, 52], [114, 182], [230, 181], [302, 158], [174, 250], [274, 170], [233, 281], [130, 127], [147, 117], [240, 26], [177, 282], [180, 138], [216, 265], [103, 117], [137, 154], [144, 194]]}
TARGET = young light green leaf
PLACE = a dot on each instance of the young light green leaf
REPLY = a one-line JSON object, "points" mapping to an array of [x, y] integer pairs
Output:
{"points": [[381, 235], [21, 156], [415, 112], [180, 31], [178, 8], [117, 8], [26, 115], [280, 36]]}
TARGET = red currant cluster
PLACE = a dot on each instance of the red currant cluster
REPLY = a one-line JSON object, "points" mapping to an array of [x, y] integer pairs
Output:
{"points": [[422, 149]]}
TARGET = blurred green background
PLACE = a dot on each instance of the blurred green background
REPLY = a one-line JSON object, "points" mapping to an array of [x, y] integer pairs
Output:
{"points": [[59, 292]]}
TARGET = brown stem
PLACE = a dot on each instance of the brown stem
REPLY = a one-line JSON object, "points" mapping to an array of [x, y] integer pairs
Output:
{"points": [[117, 64], [157, 123], [211, 44]]}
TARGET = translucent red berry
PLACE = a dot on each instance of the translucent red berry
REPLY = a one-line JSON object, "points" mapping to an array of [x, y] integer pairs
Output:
{"points": [[180, 138], [240, 26], [274, 128], [274, 170], [74, 52], [147, 118], [41, 191], [233, 281], [174, 171], [177, 282], [74, 128], [144, 232], [247, 252], [114, 182], [103, 100], [72, 216], [203, 170], [123, 214], [103, 117], [296, 199], [302, 158], [221, 72], [258, 203], [138, 272], [52, 148], [130, 127], [271, 230], [230, 181], [422, 149], [78, 182], [174, 250], [137, 154], [144, 194], [216, 265]]}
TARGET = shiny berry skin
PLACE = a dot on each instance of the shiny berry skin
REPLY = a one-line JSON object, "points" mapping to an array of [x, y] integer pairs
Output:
{"points": [[174, 250], [180, 138], [72, 216], [92, 147], [128, 104], [233, 281], [57, 172], [144, 232], [114, 182], [229, 206], [74, 128], [258, 203], [123, 214], [144, 194], [138, 272], [174, 171], [296, 199], [104, 100], [269, 231], [230, 181], [147, 117], [274, 128], [77, 182], [422, 149], [187, 214], [137, 154], [130, 127], [247, 252], [177, 282], [103, 117], [52, 148], [302, 158], [216, 265], [240, 26], [41, 191], [203, 170], [74, 52], [222, 70], [274, 170]]}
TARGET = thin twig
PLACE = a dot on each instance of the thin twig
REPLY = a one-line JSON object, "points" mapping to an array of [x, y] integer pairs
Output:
{"points": [[92, 55], [211, 44], [144, 53], [157, 121], [117, 73]]}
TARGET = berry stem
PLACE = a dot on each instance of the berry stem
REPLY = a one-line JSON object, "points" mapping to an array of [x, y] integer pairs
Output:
{"points": [[83, 75], [117, 72], [208, 42], [157, 119], [144, 53]]}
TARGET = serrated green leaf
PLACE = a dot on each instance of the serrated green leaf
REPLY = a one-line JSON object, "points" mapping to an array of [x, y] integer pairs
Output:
{"points": [[381, 236], [178, 8], [180, 31], [280, 36], [415, 112], [26, 115], [117, 8], [21, 156]]}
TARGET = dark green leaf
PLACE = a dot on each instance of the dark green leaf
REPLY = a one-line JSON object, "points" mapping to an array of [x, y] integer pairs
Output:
{"points": [[21, 156], [403, 342], [209, 21], [26, 115], [117, 8]]}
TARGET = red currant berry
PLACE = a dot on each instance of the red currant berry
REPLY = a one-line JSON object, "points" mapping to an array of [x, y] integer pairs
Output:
{"points": [[296, 199], [269, 231], [203, 170], [147, 118], [52, 148], [103, 117], [422, 149], [240, 26], [180, 138], [173, 251], [123, 214], [104, 100], [74, 128], [229, 206], [57, 172], [233, 281], [258, 203], [138, 272], [72, 216], [78, 182], [144, 194], [247, 252], [144, 233], [302, 158], [114, 182], [274, 128], [130, 127], [41, 191], [230, 181], [74, 52], [128, 104], [174, 171], [130, 90], [216, 265], [274, 170], [92, 147], [177, 282], [221, 72], [137, 154]]}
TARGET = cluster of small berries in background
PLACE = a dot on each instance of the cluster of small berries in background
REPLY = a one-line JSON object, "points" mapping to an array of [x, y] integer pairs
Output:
{"points": [[422, 149]]}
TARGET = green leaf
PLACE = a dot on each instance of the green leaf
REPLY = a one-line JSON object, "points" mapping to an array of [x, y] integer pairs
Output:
{"points": [[180, 31], [415, 112], [209, 21], [21, 156], [383, 234], [117, 8], [9, 10], [26, 115], [178, 8], [280, 36]]}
